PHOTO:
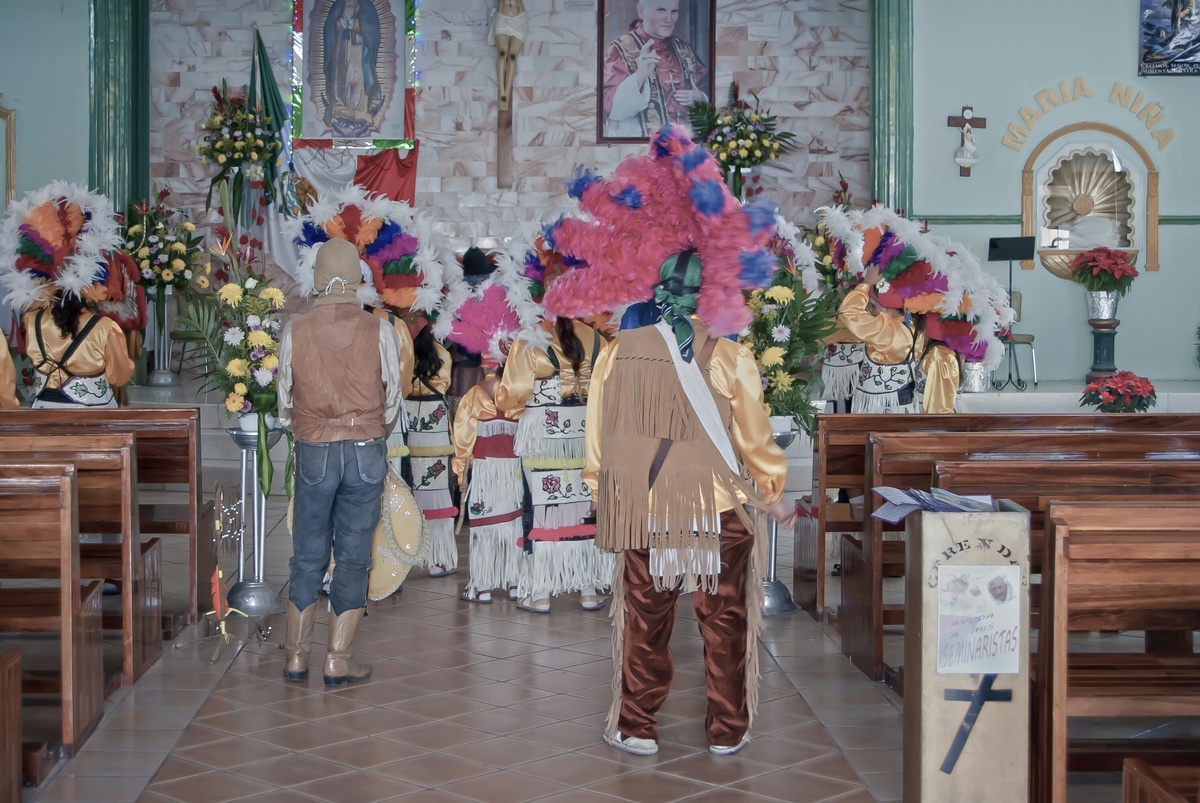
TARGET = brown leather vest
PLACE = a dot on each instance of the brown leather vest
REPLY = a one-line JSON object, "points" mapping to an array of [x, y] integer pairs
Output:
{"points": [[337, 377]]}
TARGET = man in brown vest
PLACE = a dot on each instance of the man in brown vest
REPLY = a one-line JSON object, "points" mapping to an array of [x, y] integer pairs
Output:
{"points": [[339, 392]]}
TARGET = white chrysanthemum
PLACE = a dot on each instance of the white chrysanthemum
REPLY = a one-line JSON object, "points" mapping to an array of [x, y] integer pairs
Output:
{"points": [[781, 334], [234, 336], [253, 320], [251, 282], [263, 377]]}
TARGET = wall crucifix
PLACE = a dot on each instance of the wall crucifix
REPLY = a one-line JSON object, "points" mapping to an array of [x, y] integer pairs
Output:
{"points": [[966, 123]]}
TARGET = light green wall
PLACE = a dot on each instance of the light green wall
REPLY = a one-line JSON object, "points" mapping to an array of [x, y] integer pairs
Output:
{"points": [[44, 77], [996, 57]]}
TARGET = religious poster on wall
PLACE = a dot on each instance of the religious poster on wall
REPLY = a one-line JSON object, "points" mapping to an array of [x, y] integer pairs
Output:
{"points": [[979, 620], [655, 62], [351, 66], [1170, 38]]}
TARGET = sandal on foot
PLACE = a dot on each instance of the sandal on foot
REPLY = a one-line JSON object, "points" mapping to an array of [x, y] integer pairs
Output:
{"points": [[438, 570], [534, 605], [592, 602], [481, 597]]}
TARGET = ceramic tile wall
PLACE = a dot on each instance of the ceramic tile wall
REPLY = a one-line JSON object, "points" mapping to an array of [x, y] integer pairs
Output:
{"points": [[808, 59]]}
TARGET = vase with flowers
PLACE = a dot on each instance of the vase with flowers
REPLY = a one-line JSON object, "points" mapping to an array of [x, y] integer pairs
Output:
{"points": [[238, 330], [1121, 392], [1106, 273], [241, 140], [167, 251], [741, 136], [789, 321]]}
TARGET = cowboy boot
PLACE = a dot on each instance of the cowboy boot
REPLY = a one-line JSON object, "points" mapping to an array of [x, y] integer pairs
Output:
{"points": [[338, 669], [298, 641]]}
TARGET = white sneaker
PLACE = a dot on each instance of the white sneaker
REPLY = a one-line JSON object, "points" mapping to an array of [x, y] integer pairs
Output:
{"points": [[633, 745], [717, 750]]}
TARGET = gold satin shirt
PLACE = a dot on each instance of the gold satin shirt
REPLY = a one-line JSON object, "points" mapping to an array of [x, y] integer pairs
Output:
{"points": [[527, 364], [941, 369], [732, 373], [8, 382], [103, 351], [474, 407], [407, 358], [888, 341]]}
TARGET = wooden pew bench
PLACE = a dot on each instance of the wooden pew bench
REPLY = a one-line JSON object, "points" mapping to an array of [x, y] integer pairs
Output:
{"points": [[10, 725], [41, 533], [1146, 784], [839, 461], [1114, 566], [168, 452], [106, 489], [906, 460]]}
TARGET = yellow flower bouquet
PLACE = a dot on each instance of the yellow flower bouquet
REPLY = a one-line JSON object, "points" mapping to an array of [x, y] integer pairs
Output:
{"points": [[739, 135]]}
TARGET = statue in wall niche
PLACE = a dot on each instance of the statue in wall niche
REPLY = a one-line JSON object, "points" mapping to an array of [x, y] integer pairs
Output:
{"points": [[507, 32]]}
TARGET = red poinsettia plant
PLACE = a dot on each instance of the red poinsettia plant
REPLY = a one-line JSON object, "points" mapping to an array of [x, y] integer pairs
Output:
{"points": [[1106, 270], [1122, 392]]}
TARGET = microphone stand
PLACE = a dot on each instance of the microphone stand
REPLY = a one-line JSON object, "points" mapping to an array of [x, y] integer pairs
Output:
{"points": [[1018, 383]]}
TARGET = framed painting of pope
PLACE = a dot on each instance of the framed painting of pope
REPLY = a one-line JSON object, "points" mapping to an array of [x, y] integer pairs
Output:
{"points": [[655, 62]]}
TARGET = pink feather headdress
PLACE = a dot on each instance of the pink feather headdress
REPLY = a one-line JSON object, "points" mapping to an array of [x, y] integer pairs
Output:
{"points": [[656, 205]]}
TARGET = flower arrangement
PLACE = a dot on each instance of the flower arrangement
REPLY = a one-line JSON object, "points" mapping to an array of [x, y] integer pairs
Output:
{"points": [[1122, 392], [785, 332], [164, 245], [1104, 270], [831, 277], [739, 135], [238, 136]]}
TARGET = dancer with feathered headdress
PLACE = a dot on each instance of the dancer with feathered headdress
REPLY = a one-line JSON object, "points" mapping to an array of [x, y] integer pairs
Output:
{"points": [[485, 322], [676, 426], [60, 254]]}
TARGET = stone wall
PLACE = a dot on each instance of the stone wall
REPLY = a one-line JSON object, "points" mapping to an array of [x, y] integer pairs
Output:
{"points": [[807, 59]]}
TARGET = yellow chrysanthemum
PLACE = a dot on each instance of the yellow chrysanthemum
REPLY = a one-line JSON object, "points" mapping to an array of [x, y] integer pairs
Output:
{"points": [[818, 241], [202, 282], [780, 295], [189, 226], [145, 264], [239, 389], [220, 158], [178, 247], [270, 362], [143, 252], [827, 259], [772, 356], [259, 337], [273, 296], [136, 228], [239, 367], [231, 294], [168, 275], [178, 264], [234, 402], [743, 153], [780, 380]]}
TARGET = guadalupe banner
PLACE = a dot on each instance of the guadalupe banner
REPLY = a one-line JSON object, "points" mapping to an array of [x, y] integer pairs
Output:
{"points": [[352, 62], [1170, 38]]}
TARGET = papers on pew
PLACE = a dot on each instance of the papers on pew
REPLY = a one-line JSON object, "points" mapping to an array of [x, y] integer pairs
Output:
{"points": [[897, 504]]}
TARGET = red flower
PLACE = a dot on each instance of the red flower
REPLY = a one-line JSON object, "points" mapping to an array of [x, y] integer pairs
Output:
{"points": [[1122, 392], [1104, 270]]}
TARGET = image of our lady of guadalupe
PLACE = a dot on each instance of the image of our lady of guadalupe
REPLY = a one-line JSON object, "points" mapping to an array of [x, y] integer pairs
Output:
{"points": [[353, 94]]}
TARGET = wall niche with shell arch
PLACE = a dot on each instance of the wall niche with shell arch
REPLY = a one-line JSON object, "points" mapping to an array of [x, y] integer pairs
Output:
{"points": [[1089, 185]]}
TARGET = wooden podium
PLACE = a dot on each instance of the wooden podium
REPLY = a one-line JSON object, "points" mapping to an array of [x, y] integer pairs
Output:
{"points": [[966, 657]]}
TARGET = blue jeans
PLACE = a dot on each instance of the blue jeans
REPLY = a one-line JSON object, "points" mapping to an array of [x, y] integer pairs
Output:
{"points": [[339, 486]]}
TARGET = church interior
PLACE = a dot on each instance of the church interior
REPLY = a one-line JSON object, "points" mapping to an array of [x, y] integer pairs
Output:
{"points": [[1011, 139]]}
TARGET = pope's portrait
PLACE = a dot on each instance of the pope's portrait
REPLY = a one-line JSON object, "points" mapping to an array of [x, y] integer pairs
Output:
{"points": [[657, 62]]}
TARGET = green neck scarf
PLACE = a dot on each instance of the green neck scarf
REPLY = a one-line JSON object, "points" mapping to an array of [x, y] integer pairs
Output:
{"points": [[676, 295]]}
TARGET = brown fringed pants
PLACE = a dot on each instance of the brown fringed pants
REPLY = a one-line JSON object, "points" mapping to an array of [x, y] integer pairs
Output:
{"points": [[647, 666]]}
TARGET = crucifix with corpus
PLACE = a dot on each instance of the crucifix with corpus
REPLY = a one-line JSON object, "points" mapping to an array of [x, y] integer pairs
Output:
{"points": [[966, 123]]}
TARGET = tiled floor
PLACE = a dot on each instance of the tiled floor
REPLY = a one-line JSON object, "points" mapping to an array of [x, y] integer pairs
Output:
{"points": [[477, 703]]}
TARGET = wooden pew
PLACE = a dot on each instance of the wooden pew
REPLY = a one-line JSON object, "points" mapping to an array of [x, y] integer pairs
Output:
{"points": [[839, 461], [1145, 784], [107, 500], [41, 532], [1114, 566], [906, 460], [10, 725], [168, 446]]}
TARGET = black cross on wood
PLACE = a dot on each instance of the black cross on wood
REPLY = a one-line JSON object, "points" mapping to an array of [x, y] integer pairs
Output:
{"points": [[965, 122], [977, 698]]}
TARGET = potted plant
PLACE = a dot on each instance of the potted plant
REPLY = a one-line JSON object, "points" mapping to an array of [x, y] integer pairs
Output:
{"points": [[1107, 274], [1122, 392], [740, 136]]}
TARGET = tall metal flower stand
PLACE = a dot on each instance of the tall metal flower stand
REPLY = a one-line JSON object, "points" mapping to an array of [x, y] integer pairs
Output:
{"points": [[252, 594], [162, 376], [1102, 318], [777, 599]]}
